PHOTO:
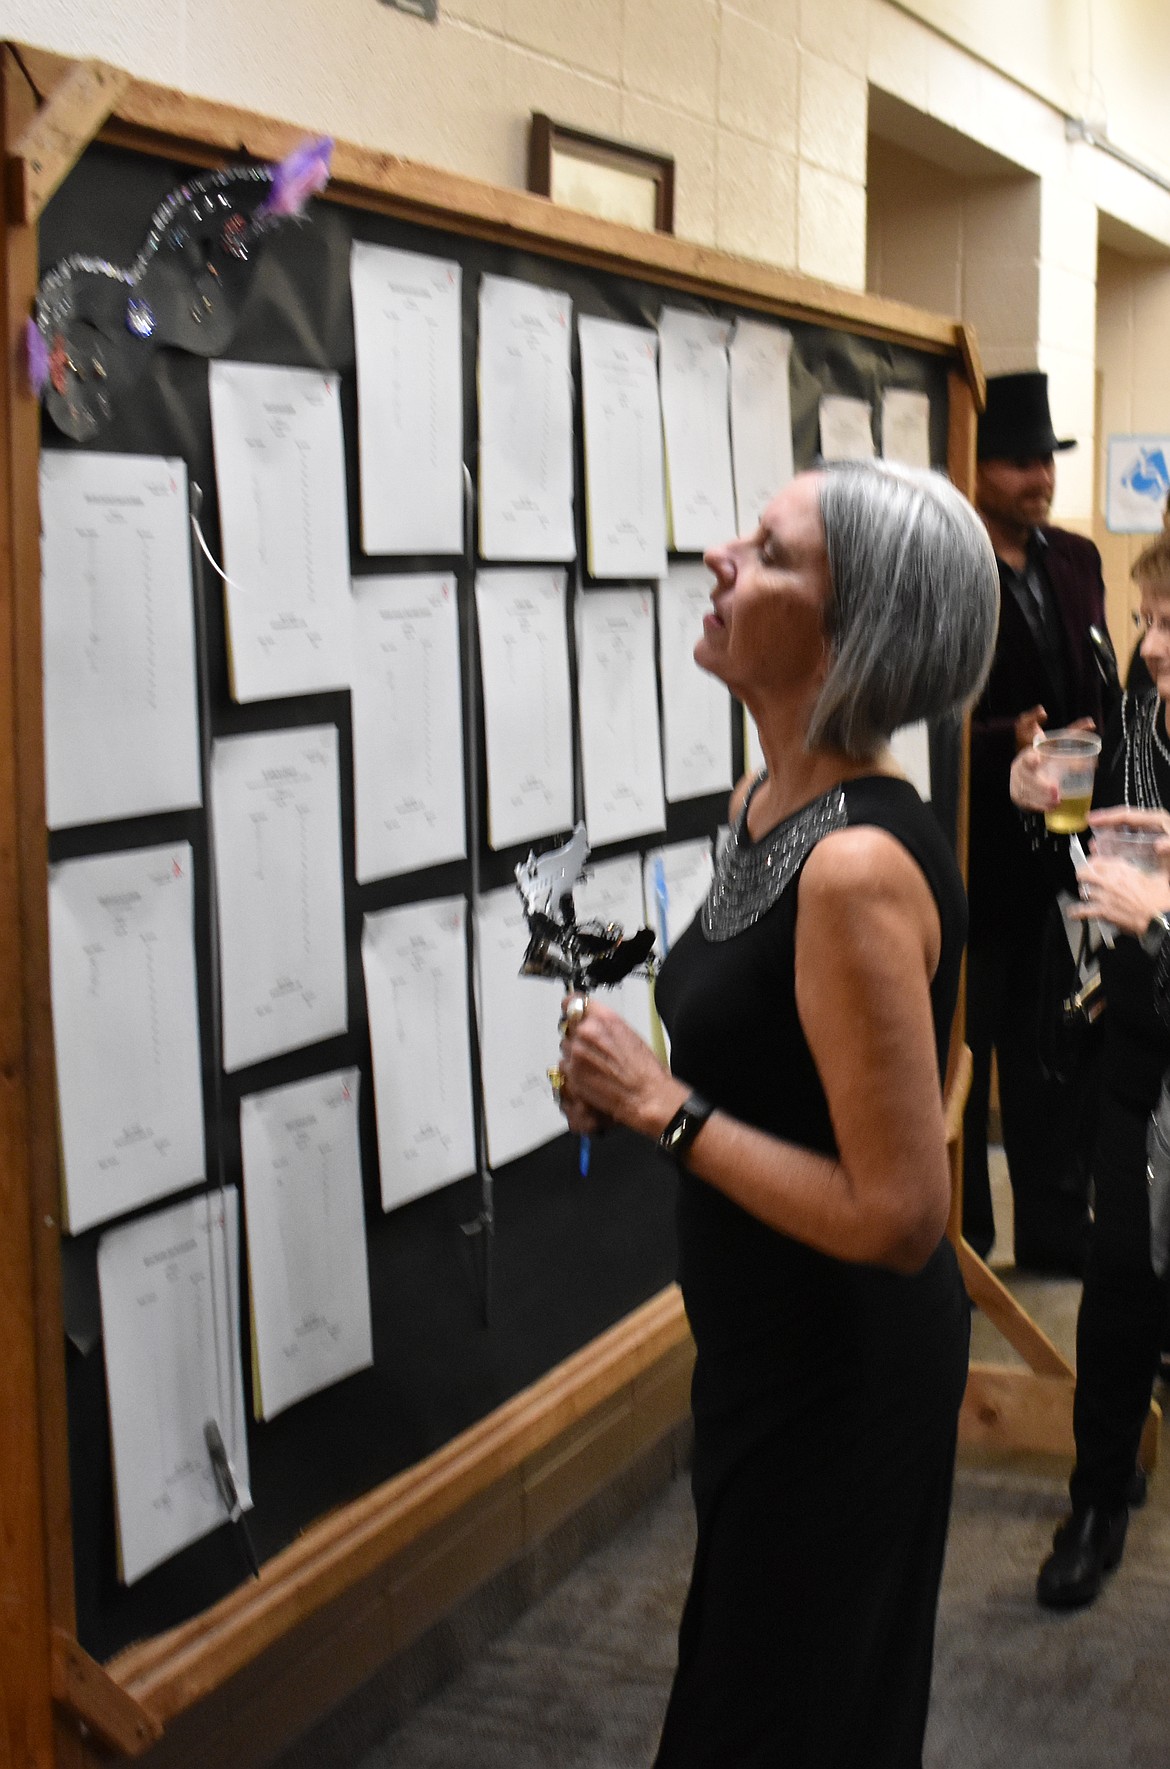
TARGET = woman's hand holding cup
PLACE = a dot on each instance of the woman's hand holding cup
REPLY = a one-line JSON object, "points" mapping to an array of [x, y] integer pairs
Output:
{"points": [[1120, 894], [1069, 757], [1123, 818], [1031, 784]]}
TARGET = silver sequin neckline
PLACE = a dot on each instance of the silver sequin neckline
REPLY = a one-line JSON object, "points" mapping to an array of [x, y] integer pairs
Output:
{"points": [[751, 876]]}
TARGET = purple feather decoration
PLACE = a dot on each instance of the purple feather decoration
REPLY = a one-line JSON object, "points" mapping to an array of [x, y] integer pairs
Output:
{"points": [[297, 178], [36, 357]]}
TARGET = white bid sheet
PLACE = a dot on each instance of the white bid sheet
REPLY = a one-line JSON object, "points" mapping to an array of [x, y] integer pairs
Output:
{"points": [[415, 964], [280, 473], [126, 1029], [761, 417], [696, 708], [906, 427], [612, 892], [408, 337], [695, 420], [525, 421], [307, 1271], [277, 823], [527, 710], [170, 1322], [846, 428], [121, 725], [677, 879], [624, 491], [407, 724], [518, 1039], [621, 751]]}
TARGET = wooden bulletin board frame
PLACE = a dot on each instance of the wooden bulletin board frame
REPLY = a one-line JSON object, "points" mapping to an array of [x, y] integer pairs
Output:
{"points": [[246, 1676]]}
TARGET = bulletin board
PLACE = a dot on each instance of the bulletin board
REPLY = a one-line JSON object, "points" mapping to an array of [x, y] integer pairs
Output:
{"points": [[495, 1288]]}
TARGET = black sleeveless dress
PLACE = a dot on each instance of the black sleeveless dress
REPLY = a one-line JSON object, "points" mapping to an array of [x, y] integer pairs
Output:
{"points": [[825, 1394]]}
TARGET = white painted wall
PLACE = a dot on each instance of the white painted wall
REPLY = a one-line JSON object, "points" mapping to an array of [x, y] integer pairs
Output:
{"points": [[1102, 60], [1025, 243], [761, 102], [1133, 362]]}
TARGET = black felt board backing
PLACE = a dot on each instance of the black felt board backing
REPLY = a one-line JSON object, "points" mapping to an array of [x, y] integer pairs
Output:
{"points": [[569, 1257]]}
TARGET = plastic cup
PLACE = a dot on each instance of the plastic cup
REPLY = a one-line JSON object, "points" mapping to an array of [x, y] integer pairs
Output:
{"points": [[1070, 759], [1135, 846]]}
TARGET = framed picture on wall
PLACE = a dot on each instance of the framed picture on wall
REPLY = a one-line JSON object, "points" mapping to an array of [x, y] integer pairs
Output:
{"points": [[1137, 484], [604, 177]]}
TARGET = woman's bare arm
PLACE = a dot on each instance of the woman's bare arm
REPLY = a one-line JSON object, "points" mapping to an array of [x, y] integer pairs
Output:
{"points": [[867, 946]]}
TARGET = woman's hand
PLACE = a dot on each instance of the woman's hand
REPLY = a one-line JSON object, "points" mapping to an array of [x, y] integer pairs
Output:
{"points": [[1031, 784], [1129, 817], [1113, 890], [610, 1076], [1028, 724], [1122, 817]]}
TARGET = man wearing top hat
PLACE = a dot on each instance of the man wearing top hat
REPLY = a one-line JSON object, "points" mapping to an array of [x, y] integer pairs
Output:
{"points": [[1045, 674]]}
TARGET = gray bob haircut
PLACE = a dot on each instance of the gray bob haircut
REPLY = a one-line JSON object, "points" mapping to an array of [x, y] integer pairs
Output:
{"points": [[914, 604]]}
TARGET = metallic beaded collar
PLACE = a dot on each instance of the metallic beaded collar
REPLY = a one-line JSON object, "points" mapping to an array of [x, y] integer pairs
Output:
{"points": [[751, 876]]}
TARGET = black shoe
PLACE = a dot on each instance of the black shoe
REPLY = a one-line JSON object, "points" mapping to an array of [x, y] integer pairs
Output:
{"points": [[1085, 1547]]}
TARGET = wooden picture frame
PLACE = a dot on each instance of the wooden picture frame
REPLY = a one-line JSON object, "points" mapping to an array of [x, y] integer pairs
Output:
{"points": [[608, 178]]}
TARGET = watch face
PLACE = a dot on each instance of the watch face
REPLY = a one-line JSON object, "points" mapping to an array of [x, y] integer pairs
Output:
{"points": [[684, 1126], [681, 1130]]}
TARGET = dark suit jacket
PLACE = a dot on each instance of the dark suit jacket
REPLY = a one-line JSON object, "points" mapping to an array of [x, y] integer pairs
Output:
{"points": [[1011, 881]]}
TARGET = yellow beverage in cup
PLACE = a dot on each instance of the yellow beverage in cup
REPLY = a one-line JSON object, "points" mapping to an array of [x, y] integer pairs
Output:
{"points": [[1070, 762], [1070, 816]]}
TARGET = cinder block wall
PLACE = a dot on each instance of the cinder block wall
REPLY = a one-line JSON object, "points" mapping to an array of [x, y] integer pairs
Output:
{"points": [[764, 106], [762, 103]]}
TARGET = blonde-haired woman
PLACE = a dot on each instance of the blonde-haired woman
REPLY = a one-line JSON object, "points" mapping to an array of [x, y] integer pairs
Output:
{"points": [[1122, 1319]]}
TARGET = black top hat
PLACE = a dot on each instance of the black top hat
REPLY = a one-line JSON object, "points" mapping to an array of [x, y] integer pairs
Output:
{"points": [[1017, 424]]}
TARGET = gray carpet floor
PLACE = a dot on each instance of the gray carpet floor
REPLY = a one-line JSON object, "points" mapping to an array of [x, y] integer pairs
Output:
{"points": [[580, 1681]]}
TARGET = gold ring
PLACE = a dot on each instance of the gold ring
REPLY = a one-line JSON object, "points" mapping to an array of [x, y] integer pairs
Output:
{"points": [[556, 1080]]}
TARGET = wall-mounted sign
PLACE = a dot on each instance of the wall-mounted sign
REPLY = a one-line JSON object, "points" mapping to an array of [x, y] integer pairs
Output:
{"points": [[1137, 484]]}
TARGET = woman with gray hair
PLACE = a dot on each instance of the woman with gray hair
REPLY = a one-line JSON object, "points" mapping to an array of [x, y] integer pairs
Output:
{"points": [[809, 1007]]}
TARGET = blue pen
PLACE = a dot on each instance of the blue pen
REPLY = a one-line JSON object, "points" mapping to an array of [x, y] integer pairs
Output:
{"points": [[662, 900]]}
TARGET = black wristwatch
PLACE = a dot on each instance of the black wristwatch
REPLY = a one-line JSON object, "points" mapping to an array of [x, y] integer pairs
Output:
{"points": [[684, 1127], [1151, 940]]}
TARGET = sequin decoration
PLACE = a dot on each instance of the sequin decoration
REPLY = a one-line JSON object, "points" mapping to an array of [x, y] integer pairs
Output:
{"points": [[36, 359], [751, 876], [140, 317], [235, 237], [183, 289], [59, 364]]}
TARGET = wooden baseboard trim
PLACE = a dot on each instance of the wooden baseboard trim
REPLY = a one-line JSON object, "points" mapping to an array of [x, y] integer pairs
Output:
{"points": [[421, 1541]]}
